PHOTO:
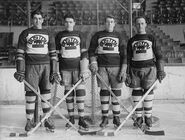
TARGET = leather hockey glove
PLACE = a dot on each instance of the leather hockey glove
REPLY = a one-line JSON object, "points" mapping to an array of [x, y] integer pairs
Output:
{"points": [[20, 69], [55, 78], [128, 80], [160, 70], [161, 75], [19, 76], [93, 67], [84, 69]]}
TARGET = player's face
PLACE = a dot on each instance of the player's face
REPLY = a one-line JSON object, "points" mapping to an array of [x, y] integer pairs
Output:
{"points": [[110, 24], [37, 21], [69, 24], [141, 25]]}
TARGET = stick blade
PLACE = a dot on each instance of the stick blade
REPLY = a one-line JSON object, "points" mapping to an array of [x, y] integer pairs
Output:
{"points": [[87, 132], [155, 133], [18, 135]]}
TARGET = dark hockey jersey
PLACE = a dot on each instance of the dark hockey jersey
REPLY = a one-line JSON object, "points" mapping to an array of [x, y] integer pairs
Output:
{"points": [[142, 51], [69, 46], [108, 48], [36, 45]]}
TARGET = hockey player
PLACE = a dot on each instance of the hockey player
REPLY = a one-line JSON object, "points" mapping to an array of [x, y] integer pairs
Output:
{"points": [[145, 65], [35, 53], [108, 58], [73, 64]]}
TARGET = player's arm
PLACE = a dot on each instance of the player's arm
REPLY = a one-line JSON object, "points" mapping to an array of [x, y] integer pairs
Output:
{"points": [[159, 61], [20, 58], [92, 54], [54, 76], [123, 65]]}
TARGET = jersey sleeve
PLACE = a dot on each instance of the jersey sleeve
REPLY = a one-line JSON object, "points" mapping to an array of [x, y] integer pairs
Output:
{"points": [[129, 52], [52, 47], [122, 50], [157, 50], [93, 46]]}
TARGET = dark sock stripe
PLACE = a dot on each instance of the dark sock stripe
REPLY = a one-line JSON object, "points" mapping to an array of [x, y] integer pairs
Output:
{"points": [[139, 109], [116, 112], [147, 108], [104, 102], [80, 101], [115, 103]]}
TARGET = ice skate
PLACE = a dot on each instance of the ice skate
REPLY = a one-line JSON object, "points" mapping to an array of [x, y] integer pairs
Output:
{"points": [[116, 121], [104, 122], [72, 120], [148, 122], [29, 125], [49, 124], [138, 122], [82, 124]]}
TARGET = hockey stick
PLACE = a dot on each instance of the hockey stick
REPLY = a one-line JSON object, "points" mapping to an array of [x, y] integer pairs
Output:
{"points": [[145, 131], [49, 113], [142, 128]]}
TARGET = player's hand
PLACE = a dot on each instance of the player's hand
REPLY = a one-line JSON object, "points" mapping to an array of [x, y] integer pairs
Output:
{"points": [[93, 67], [121, 77], [128, 80], [19, 76], [161, 75], [55, 78], [85, 75]]}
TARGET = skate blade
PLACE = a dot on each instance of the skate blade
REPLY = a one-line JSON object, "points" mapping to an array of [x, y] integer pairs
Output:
{"points": [[84, 129]]}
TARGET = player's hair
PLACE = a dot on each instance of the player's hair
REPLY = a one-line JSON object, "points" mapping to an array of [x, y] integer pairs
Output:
{"points": [[110, 16], [69, 16], [140, 17], [37, 12]]}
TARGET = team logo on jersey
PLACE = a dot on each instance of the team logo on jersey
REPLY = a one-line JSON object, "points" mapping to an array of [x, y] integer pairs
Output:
{"points": [[141, 46], [37, 41], [70, 43], [108, 44]]}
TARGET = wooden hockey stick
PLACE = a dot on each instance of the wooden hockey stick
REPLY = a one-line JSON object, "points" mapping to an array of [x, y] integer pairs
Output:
{"points": [[53, 108], [130, 113], [148, 132]]}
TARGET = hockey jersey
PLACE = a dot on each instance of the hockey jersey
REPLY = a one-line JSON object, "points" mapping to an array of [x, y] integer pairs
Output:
{"points": [[37, 45], [108, 47], [142, 51], [69, 46]]}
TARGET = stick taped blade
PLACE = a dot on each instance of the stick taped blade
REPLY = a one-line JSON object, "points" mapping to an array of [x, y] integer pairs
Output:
{"points": [[18, 135], [100, 133], [156, 133]]}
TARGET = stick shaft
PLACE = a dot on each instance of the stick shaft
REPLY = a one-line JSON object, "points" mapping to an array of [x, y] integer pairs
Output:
{"points": [[131, 112], [53, 107]]}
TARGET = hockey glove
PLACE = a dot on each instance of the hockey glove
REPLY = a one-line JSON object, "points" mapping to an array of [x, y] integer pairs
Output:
{"points": [[161, 75], [93, 67], [128, 80], [19, 76], [55, 78], [84, 75], [122, 74]]}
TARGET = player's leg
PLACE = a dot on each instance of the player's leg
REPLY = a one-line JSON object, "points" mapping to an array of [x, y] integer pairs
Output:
{"points": [[116, 88], [137, 94], [80, 99], [45, 91], [104, 96], [148, 102], [67, 82], [32, 78]]}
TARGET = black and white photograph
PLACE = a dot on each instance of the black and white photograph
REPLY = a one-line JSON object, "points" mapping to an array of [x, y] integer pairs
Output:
{"points": [[92, 69]]}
